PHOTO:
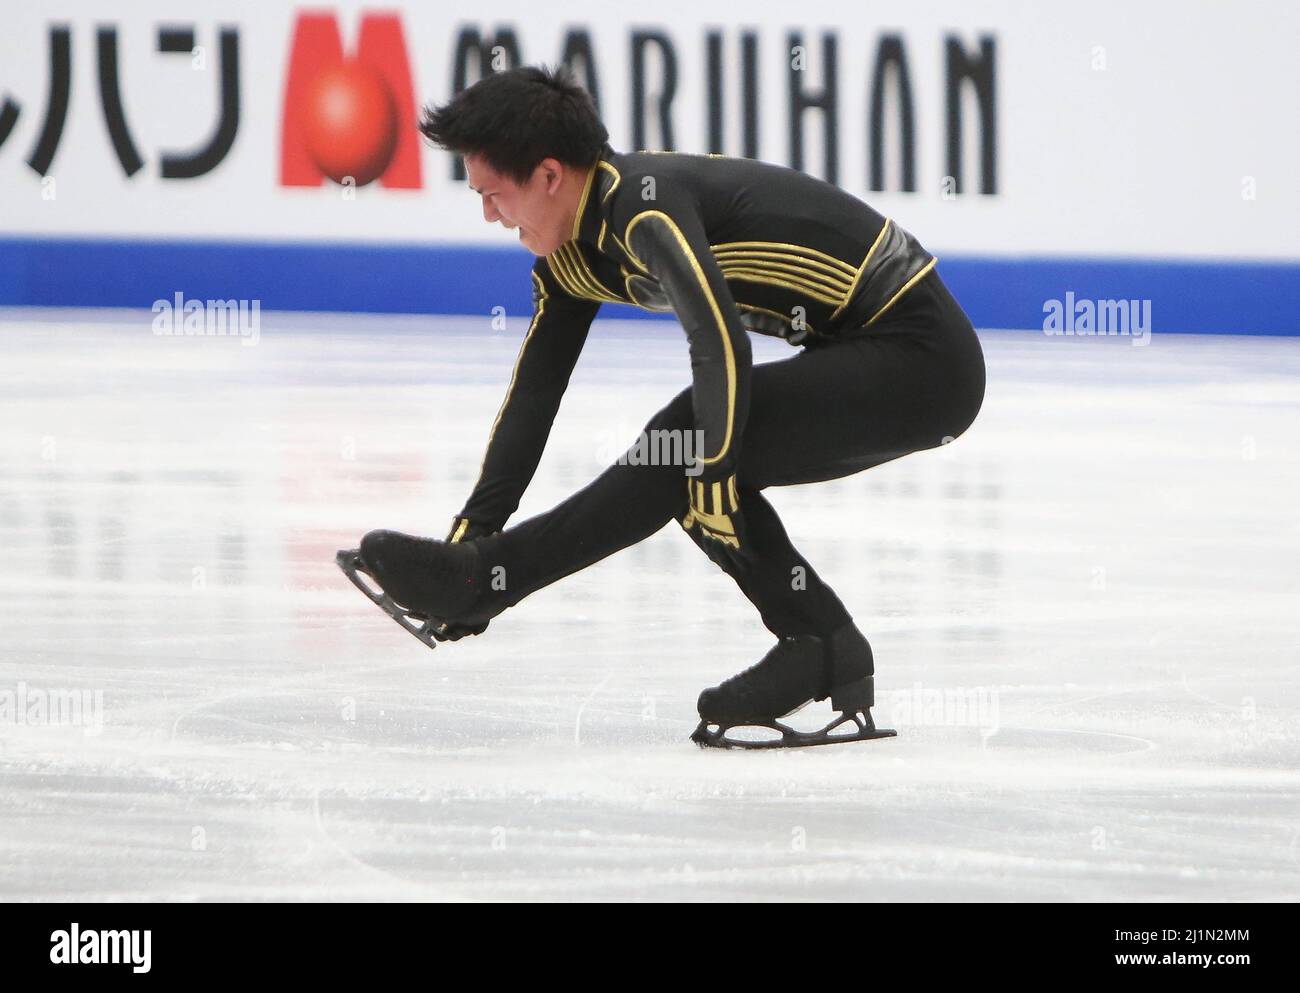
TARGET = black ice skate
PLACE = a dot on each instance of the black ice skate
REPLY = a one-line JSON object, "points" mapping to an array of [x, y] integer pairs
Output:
{"points": [[798, 670], [418, 582]]}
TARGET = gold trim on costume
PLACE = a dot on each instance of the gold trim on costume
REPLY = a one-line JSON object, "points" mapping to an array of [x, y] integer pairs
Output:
{"points": [[618, 178], [788, 318], [543, 296], [764, 276], [773, 245], [729, 357], [833, 277], [779, 270], [903, 289], [857, 276], [574, 274], [582, 203]]}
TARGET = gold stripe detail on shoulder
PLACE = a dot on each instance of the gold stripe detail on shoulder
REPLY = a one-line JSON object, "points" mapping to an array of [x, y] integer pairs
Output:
{"points": [[567, 255], [570, 269], [582, 203], [556, 261], [598, 288], [580, 277], [460, 530], [728, 356], [903, 289], [618, 178], [857, 276]]}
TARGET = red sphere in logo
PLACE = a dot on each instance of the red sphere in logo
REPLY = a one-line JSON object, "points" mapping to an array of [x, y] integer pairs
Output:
{"points": [[350, 123]]}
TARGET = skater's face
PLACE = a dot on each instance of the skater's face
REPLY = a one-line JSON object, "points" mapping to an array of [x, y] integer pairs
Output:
{"points": [[542, 209]]}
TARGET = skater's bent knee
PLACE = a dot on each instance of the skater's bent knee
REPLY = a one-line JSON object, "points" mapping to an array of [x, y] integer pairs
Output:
{"points": [[678, 415]]}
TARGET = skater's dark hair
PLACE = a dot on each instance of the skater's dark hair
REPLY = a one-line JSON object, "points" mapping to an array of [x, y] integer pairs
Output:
{"points": [[516, 118]]}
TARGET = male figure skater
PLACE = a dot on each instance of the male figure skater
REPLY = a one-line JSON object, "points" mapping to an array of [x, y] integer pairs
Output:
{"points": [[887, 363]]}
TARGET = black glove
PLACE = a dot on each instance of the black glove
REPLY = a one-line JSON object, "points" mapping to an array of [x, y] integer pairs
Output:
{"points": [[463, 529], [715, 522]]}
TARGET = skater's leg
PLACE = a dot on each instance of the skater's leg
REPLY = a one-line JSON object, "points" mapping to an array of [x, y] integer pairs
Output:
{"points": [[834, 410], [623, 505], [789, 594], [915, 383]]}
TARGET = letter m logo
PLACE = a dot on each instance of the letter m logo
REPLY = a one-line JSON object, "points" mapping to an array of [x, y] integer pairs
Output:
{"points": [[316, 47]]}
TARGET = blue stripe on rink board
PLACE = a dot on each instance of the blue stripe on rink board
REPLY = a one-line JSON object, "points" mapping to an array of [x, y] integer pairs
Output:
{"points": [[1197, 297], [1213, 297]]}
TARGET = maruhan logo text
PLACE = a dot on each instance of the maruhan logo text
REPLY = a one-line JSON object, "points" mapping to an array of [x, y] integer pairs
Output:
{"points": [[77, 947]]}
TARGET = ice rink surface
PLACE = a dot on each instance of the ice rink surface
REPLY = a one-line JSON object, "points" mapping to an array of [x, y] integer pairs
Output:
{"points": [[1084, 615]]}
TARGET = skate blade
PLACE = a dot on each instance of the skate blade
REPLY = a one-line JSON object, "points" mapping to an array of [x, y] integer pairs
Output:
{"points": [[354, 568], [846, 726]]}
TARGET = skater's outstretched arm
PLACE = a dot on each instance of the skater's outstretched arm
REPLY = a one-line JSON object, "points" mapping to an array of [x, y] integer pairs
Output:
{"points": [[546, 359], [666, 235]]}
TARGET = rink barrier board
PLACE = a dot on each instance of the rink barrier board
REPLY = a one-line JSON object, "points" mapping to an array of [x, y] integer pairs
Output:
{"points": [[1187, 296]]}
